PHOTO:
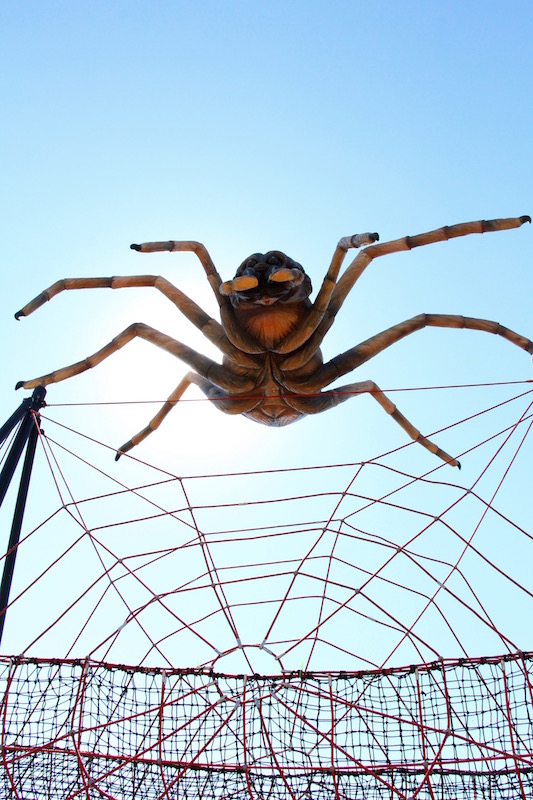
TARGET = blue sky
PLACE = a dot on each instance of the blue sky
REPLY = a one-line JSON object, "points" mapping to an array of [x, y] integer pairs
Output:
{"points": [[253, 126]]}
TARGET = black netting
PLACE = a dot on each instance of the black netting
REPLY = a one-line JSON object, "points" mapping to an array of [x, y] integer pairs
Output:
{"points": [[446, 730]]}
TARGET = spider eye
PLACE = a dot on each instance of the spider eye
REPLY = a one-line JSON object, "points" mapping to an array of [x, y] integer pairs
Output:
{"points": [[251, 263], [274, 260]]}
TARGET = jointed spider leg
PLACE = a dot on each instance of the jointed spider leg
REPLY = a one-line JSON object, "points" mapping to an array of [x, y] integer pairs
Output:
{"points": [[211, 391], [238, 338], [187, 246], [353, 358], [361, 262], [321, 402], [211, 329], [348, 361], [204, 366], [318, 309]]}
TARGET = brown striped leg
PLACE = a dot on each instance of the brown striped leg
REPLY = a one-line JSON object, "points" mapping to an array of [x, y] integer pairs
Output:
{"points": [[203, 365], [214, 393], [443, 234], [348, 361], [361, 262], [318, 309], [325, 400], [238, 338], [197, 248], [211, 329]]}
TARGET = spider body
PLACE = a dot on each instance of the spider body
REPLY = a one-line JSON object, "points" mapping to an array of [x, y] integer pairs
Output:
{"points": [[270, 298], [277, 299], [270, 332]]}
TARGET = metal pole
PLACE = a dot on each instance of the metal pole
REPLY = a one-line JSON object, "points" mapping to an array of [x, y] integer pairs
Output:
{"points": [[14, 455], [27, 433], [17, 415], [18, 515], [33, 403]]}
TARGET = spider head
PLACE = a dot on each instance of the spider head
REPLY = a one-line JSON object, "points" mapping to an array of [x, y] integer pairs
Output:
{"points": [[268, 278]]}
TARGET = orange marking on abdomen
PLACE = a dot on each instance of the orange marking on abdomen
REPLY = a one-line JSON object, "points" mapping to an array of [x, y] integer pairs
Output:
{"points": [[269, 325]]}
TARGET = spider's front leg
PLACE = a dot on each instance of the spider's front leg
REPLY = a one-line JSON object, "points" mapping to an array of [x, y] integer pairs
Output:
{"points": [[197, 248], [211, 329], [238, 339], [315, 315], [336, 294]]}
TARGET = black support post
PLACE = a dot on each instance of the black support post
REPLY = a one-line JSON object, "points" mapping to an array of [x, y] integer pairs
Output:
{"points": [[28, 417]]}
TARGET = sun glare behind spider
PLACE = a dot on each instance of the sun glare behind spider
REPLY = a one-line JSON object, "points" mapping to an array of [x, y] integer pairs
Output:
{"points": [[270, 332]]}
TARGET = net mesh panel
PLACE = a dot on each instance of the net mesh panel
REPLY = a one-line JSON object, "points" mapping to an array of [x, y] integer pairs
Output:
{"points": [[262, 586], [448, 729]]}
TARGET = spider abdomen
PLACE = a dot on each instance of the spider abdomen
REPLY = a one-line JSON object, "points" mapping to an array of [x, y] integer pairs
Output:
{"points": [[275, 412]]}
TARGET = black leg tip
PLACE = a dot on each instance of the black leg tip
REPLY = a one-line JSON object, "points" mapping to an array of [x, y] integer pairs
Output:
{"points": [[19, 314], [19, 385], [458, 465], [118, 454], [525, 218], [135, 247], [375, 237]]}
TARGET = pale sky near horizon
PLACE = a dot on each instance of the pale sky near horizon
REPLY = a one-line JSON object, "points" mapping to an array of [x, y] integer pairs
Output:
{"points": [[252, 126]]}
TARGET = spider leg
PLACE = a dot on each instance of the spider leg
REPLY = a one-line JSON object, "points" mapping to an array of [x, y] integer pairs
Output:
{"points": [[211, 391], [238, 338], [209, 369], [354, 271], [353, 358], [325, 400], [346, 362], [197, 248], [321, 302], [211, 329]]}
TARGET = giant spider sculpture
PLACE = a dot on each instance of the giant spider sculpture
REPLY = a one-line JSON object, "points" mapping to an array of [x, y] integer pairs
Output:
{"points": [[270, 333]]}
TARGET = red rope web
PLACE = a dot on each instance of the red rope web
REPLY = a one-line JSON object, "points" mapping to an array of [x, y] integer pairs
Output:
{"points": [[351, 630]]}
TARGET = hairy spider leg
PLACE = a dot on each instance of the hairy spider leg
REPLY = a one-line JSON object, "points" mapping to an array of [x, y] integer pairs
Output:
{"points": [[313, 336], [214, 393], [212, 330], [321, 402], [353, 358], [320, 304], [239, 338], [209, 369], [197, 248]]}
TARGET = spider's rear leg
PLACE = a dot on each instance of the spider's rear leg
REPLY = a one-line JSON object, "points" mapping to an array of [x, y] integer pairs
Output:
{"points": [[321, 402], [220, 398]]}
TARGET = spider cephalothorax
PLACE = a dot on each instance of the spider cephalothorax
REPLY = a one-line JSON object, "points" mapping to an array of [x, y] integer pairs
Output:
{"points": [[270, 297], [270, 332], [268, 278]]}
